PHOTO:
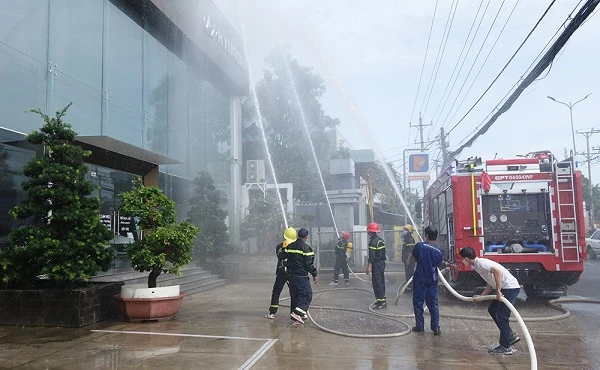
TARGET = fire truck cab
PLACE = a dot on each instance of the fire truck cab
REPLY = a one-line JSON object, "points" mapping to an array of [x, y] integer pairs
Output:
{"points": [[525, 213]]}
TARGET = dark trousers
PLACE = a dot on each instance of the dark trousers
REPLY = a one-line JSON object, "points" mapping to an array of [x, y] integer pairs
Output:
{"points": [[301, 293], [378, 280], [280, 280], [427, 293], [501, 313], [340, 263], [409, 268]]}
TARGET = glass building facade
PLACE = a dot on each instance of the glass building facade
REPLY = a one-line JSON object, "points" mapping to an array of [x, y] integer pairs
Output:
{"points": [[154, 87]]}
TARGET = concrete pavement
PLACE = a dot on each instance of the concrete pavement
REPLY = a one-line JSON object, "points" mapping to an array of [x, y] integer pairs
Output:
{"points": [[225, 328]]}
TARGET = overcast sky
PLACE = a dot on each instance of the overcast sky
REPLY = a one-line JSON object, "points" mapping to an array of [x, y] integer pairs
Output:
{"points": [[371, 53]]}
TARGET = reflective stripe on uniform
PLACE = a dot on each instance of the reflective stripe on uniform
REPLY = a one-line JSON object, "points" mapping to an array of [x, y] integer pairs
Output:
{"points": [[377, 248], [274, 306], [297, 251]]}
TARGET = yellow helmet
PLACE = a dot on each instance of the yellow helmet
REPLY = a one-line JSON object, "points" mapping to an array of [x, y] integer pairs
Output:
{"points": [[290, 235], [409, 227]]}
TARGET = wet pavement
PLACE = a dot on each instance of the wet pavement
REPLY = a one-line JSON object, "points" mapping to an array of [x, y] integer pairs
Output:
{"points": [[225, 328]]}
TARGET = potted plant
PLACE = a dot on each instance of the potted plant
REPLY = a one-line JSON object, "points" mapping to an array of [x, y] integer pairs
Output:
{"points": [[165, 247], [59, 240]]}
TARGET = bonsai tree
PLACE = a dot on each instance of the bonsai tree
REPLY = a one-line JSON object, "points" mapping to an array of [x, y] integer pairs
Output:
{"points": [[206, 213], [165, 246], [62, 237]]}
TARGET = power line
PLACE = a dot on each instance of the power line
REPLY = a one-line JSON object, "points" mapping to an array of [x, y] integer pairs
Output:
{"points": [[473, 64], [461, 54], [535, 60], [441, 50], [424, 60], [478, 72], [505, 66], [583, 13]]}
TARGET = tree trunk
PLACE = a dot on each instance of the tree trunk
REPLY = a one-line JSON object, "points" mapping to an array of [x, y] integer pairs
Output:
{"points": [[152, 278]]}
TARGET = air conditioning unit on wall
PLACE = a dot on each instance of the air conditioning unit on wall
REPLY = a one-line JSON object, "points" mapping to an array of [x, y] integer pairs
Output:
{"points": [[255, 171]]}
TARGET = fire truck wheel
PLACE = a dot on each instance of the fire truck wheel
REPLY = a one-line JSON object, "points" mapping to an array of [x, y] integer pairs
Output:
{"points": [[591, 253], [530, 291], [533, 294]]}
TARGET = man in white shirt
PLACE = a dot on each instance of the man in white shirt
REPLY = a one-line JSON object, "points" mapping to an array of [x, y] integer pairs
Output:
{"points": [[506, 285]]}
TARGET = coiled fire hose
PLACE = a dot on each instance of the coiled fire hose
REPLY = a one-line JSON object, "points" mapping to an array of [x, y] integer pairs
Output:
{"points": [[516, 316]]}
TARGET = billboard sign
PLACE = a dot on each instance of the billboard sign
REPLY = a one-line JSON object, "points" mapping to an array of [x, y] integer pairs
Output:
{"points": [[418, 166]]}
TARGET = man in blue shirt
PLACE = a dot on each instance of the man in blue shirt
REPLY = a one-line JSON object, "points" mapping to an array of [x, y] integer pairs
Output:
{"points": [[428, 256]]}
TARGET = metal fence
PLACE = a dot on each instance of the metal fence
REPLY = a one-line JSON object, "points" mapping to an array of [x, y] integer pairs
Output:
{"points": [[324, 242]]}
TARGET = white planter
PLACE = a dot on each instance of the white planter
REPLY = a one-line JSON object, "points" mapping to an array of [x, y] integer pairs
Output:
{"points": [[142, 291]]}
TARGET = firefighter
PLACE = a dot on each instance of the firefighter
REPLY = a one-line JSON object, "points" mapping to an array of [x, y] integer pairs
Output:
{"points": [[300, 257], [408, 243], [289, 236], [340, 260], [428, 256], [506, 285], [376, 262]]}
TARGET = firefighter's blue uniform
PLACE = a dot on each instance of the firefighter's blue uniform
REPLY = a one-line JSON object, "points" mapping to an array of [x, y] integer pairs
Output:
{"points": [[377, 259], [280, 280], [425, 281], [300, 257]]}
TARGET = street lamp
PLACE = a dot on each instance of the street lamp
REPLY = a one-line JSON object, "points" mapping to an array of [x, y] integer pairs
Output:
{"points": [[570, 106]]}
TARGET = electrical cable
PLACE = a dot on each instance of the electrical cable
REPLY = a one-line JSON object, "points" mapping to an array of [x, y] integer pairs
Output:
{"points": [[424, 60], [505, 66], [459, 58], [535, 60], [478, 72], [548, 57], [440, 52]]}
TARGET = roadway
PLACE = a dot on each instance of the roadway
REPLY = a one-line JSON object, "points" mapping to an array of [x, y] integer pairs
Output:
{"points": [[589, 281]]}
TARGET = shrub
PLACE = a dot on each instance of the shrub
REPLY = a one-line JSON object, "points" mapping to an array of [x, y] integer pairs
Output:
{"points": [[63, 238], [165, 246]]}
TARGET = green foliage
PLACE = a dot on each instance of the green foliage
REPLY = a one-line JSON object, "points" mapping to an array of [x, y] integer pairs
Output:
{"points": [[166, 246], [342, 152], [207, 214], [585, 182], [292, 155], [64, 238], [264, 222], [376, 175]]}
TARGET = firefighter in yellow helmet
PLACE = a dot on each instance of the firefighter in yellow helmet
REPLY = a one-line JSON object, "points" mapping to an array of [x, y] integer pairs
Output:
{"points": [[408, 243], [289, 236]]}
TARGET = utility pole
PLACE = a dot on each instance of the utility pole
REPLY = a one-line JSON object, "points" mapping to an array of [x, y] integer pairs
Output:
{"points": [[444, 147], [570, 106], [421, 126], [588, 157]]}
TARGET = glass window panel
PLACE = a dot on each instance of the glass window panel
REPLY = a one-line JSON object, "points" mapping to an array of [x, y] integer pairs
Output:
{"points": [[197, 157], [124, 78], [178, 120], [23, 62], [156, 94], [76, 50], [24, 27], [217, 138], [12, 160]]}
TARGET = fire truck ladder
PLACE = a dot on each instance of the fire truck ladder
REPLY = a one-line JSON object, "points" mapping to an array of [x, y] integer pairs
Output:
{"points": [[567, 212]]}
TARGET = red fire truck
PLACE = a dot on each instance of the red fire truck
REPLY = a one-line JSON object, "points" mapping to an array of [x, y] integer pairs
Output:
{"points": [[525, 213]]}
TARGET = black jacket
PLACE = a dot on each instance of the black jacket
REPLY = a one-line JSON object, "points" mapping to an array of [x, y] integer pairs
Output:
{"points": [[408, 241], [300, 258], [376, 249], [340, 249], [281, 264]]}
